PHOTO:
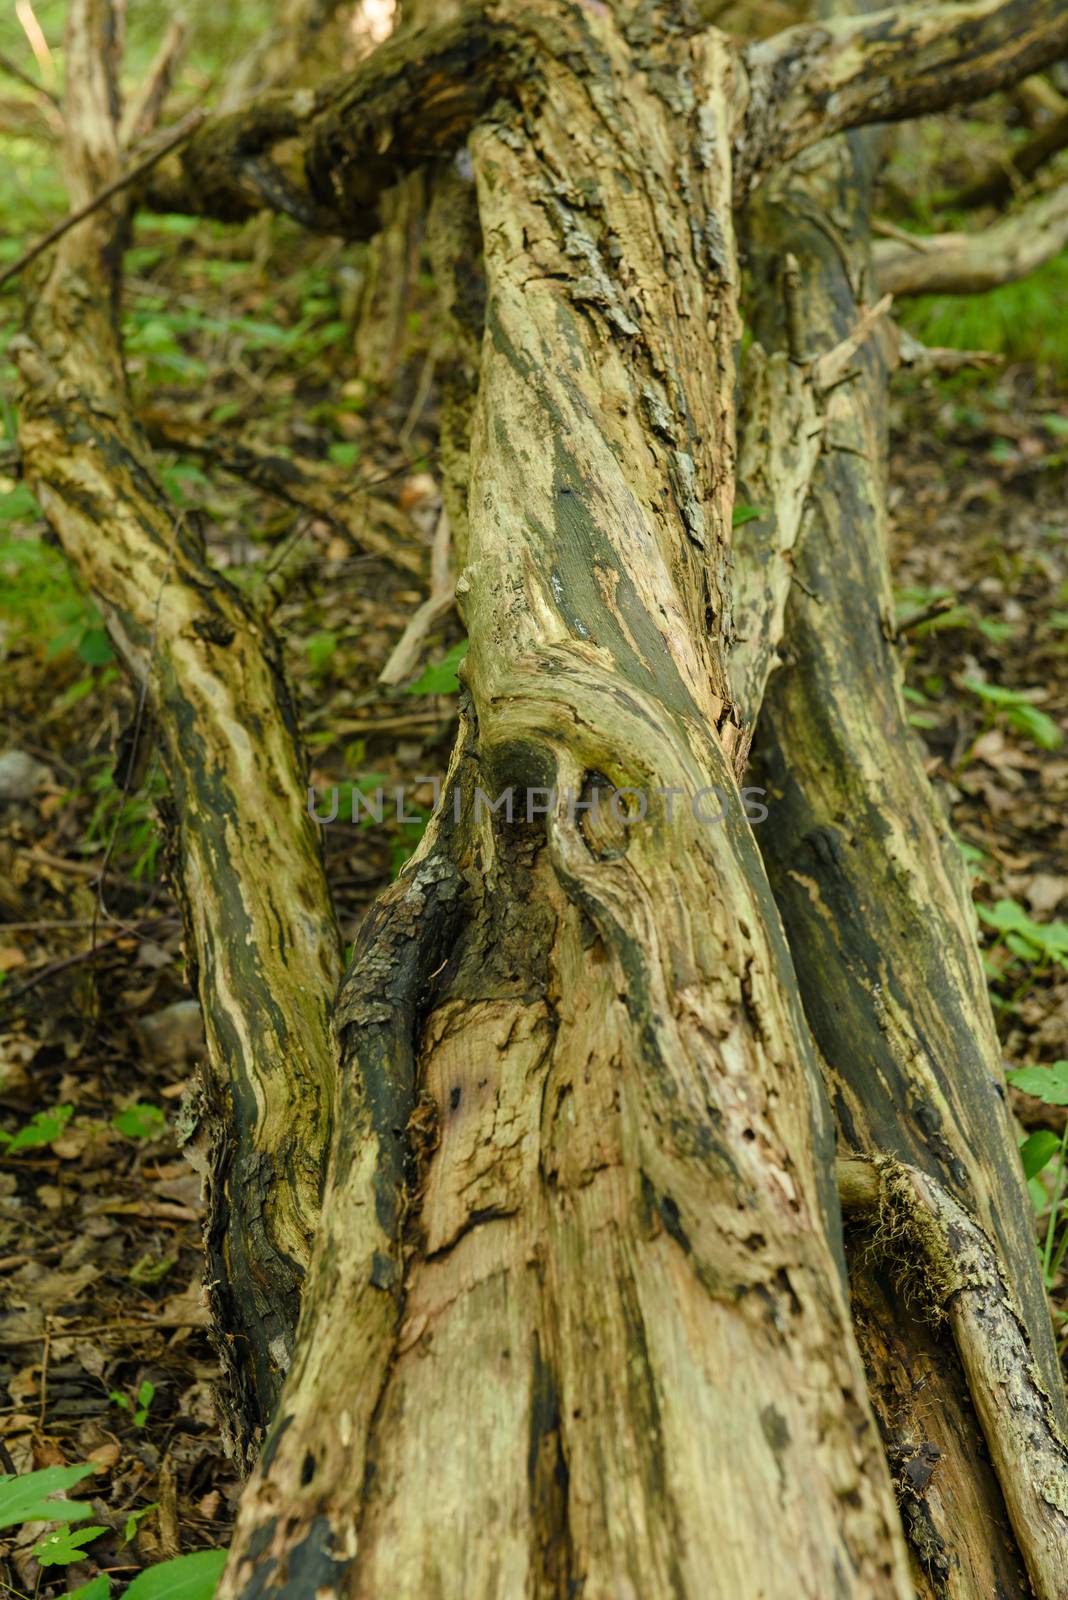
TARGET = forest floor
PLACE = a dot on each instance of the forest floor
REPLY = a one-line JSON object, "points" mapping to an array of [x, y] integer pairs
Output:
{"points": [[247, 335]]}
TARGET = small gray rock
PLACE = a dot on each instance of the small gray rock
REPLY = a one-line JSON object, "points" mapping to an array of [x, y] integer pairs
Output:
{"points": [[173, 1036], [21, 775]]}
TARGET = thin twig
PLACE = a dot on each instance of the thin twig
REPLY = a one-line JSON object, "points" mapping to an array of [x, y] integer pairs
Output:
{"points": [[56, 967], [46, 1351], [187, 126], [442, 597], [13, 70]]}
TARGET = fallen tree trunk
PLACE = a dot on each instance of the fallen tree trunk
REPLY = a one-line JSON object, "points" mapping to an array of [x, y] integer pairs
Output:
{"points": [[577, 1317], [869, 882]]}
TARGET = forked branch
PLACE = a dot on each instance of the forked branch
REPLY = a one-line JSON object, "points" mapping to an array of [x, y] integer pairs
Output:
{"points": [[812, 81], [416, 98]]}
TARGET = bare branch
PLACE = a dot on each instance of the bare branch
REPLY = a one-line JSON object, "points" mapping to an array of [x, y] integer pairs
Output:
{"points": [[969, 263], [261, 938], [1018, 166], [921, 360], [125, 180], [812, 81], [440, 601], [308, 485], [142, 111], [410, 102]]}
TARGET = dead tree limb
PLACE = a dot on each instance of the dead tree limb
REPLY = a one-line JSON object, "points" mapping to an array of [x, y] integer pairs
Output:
{"points": [[417, 97], [951, 1270], [1018, 167], [261, 939], [818, 79], [969, 263], [372, 523]]}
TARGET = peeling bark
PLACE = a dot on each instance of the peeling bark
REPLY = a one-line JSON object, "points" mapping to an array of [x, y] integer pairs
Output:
{"points": [[953, 1272]]}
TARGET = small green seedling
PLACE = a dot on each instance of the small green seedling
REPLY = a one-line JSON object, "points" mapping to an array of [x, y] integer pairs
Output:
{"points": [[1049, 1084], [1016, 707], [42, 1128], [140, 1407], [65, 1545], [140, 1121], [441, 678]]}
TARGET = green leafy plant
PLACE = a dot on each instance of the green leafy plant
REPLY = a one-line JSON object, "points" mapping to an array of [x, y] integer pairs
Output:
{"points": [[1038, 1151], [743, 514], [921, 611], [66, 1544], [321, 649], [98, 1588], [1041, 944], [133, 1521], [1018, 711], [1018, 320], [191, 1577], [42, 1128], [441, 678], [39, 600], [140, 1407], [128, 820], [140, 1121], [27, 1497]]}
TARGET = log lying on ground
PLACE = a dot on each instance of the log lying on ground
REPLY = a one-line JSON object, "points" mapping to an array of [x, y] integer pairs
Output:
{"points": [[577, 1313], [969, 263], [578, 1285], [262, 943], [1018, 167]]}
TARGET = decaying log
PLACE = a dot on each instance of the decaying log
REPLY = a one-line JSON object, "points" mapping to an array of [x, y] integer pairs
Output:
{"points": [[578, 1232], [870, 886], [262, 944], [576, 1318]]}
